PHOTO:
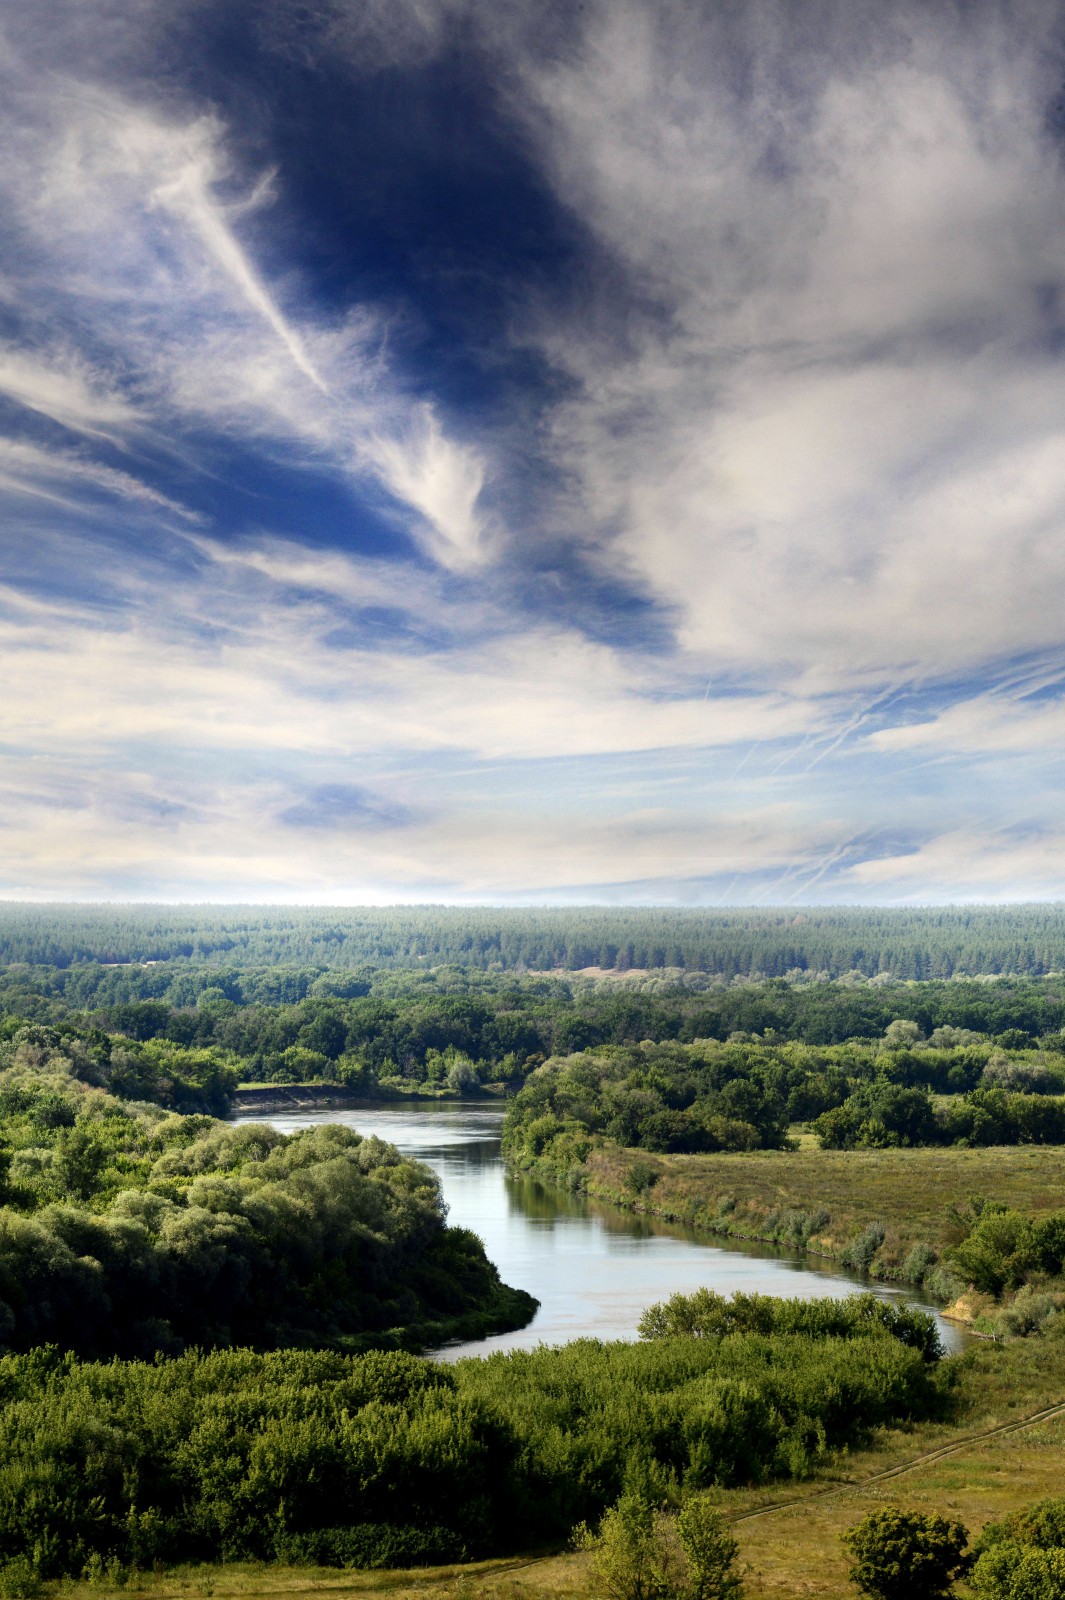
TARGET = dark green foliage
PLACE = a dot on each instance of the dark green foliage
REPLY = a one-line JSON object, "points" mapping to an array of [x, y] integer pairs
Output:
{"points": [[673, 1097], [668, 1097], [908, 943], [906, 1555], [294, 1455], [127, 1229], [884, 1114], [159, 1025], [1004, 1249], [706, 1315], [383, 1458]]}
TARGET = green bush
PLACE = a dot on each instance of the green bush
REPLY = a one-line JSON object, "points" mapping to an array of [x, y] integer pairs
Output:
{"points": [[1023, 1557], [858, 1255], [640, 1553], [705, 1314], [905, 1555], [127, 1229], [386, 1459]]}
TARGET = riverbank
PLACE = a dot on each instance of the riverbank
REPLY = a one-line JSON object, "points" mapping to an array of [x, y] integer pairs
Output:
{"points": [[891, 1213], [287, 1097]]}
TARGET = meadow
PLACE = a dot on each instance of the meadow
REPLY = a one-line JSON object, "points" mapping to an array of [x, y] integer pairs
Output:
{"points": [[920, 1197]]}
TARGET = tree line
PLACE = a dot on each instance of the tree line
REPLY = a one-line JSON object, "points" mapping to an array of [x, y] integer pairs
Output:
{"points": [[429, 1028], [905, 942], [743, 1094]]}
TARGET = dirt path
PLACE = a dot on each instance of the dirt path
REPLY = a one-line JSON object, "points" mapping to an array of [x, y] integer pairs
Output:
{"points": [[1047, 1414]]}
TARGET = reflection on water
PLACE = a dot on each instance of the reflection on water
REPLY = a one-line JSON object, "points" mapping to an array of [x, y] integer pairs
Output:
{"points": [[593, 1269]]}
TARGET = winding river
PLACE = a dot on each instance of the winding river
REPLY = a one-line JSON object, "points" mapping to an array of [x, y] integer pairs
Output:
{"points": [[593, 1269]]}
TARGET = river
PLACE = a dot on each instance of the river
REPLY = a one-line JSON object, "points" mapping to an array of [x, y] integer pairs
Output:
{"points": [[593, 1269]]}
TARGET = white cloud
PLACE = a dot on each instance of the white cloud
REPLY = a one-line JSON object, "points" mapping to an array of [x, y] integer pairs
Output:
{"points": [[985, 724], [228, 666], [134, 219], [65, 392], [835, 448], [440, 480], [970, 864], [30, 469]]}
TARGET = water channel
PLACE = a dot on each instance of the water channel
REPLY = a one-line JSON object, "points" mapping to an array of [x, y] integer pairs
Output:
{"points": [[593, 1269]]}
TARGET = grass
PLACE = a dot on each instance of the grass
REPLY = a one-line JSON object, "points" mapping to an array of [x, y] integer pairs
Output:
{"points": [[791, 1551], [910, 1192]]}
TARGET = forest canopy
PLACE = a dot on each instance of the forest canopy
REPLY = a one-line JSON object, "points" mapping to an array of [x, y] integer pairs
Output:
{"points": [[768, 941], [126, 1229], [225, 1456]]}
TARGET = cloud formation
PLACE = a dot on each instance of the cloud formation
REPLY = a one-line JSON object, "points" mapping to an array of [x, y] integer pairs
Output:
{"points": [[601, 451]]}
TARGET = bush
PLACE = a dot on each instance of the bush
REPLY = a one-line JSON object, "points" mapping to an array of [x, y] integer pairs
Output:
{"points": [[19, 1579], [859, 1254], [1029, 1313], [706, 1314], [918, 1263], [906, 1555], [639, 1553], [1023, 1557]]}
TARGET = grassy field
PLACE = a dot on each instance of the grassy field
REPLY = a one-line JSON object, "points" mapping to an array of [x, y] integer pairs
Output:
{"points": [[789, 1536], [909, 1191]]}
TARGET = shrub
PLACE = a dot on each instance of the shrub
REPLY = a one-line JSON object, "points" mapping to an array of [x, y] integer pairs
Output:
{"points": [[859, 1254], [640, 1177], [627, 1561], [918, 1263], [1028, 1314], [906, 1555], [1023, 1557], [639, 1553], [711, 1552]]}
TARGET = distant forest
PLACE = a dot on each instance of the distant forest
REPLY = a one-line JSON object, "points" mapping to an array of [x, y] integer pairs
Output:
{"points": [[772, 942]]}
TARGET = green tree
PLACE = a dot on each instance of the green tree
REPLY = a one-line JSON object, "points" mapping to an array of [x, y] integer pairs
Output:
{"points": [[906, 1555], [1023, 1557], [640, 1553], [710, 1551], [626, 1554]]}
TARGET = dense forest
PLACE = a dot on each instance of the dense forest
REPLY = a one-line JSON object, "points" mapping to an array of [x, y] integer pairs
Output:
{"points": [[164, 1030], [744, 1094], [226, 1456], [763, 941], [127, 1229]]}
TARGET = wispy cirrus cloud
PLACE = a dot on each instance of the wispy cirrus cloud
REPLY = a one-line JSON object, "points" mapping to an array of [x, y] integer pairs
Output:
{"points": [[495, 452], [134, 218]]}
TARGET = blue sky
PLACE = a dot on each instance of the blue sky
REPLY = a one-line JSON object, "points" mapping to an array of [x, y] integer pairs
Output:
{"points": [[543, 452]]}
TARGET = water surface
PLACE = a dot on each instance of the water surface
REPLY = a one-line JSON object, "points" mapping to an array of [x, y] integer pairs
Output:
{"points": [[594, 1269]]}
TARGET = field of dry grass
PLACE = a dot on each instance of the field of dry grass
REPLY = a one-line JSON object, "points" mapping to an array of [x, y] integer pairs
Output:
{"points": [[909, 1191]]}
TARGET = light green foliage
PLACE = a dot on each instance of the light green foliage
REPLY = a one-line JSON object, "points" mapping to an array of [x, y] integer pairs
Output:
{"points": [[629, 1557], [639, 1552], [385, 1460], [906, 1555], [706, 1315], [710, 1551], [1023, 1557]]}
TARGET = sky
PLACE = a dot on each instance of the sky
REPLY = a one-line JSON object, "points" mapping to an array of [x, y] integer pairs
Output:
{"points": [[537, 452]]}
